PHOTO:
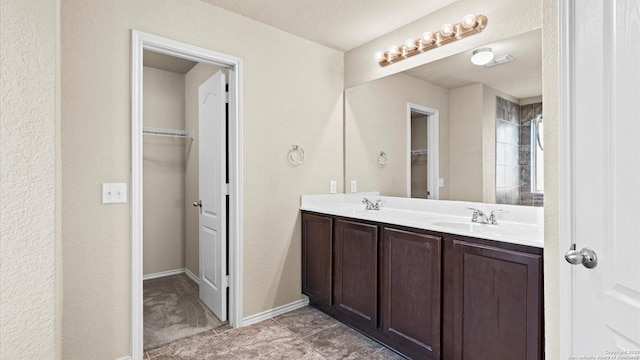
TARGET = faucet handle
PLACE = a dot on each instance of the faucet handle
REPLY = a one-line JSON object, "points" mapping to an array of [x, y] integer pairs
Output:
{"points": [[492, 216], [476, 213]]}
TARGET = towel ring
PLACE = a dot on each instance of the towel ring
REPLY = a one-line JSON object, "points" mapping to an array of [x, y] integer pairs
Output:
{"points": [[382, 159], [296, 149]]}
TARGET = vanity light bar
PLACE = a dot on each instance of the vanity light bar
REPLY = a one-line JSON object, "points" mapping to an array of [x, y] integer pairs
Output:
{"points": [[470, 25]]}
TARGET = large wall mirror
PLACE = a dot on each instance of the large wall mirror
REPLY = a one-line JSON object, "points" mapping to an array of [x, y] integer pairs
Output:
{"points": [[453, 130]]}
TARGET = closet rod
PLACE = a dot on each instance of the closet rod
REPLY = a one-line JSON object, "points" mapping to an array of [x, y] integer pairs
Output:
{"points": [[419, 152], [187, 134]]}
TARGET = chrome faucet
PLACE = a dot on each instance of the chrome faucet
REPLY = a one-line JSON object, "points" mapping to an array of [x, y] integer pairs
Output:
{"points": [[481, 218], [370, 205]]}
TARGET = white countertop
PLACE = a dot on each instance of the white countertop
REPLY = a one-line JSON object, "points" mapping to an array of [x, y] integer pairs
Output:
{"points": [[522, 225]]}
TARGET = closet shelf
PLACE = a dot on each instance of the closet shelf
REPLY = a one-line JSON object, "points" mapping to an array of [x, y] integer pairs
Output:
{"points": [[419, 152], [186, 134]]}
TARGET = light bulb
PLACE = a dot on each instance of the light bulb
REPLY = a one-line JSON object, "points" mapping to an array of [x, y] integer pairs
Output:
{"points": [[379, 55], [393, 50], [446, 30], [482, 56], [469, 21], [410, 44], [427, 38]]}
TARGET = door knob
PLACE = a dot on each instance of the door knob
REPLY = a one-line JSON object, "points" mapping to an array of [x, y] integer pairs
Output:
{"points": [[197, 203], [587, 257]]}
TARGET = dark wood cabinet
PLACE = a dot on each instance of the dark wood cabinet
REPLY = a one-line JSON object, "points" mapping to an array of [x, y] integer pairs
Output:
{"points": [[428, 295], [356, 271], [410, 293], [496, 307], [317, 258]]}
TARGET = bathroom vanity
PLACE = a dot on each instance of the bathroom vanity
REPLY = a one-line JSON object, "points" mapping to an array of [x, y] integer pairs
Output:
{"points": [[420, 277]]}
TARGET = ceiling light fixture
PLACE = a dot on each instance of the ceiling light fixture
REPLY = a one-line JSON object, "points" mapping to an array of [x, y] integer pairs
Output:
{"points": [[470, 25], [482, 56]]}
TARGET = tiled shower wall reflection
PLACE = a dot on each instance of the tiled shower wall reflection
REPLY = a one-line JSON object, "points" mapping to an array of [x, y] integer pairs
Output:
{"points": [[527, 113], [507, 152], [513, 153]]}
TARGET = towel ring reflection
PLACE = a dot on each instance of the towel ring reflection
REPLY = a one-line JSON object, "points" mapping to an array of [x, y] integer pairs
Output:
{"points": [[382, 159], [296, 155]]}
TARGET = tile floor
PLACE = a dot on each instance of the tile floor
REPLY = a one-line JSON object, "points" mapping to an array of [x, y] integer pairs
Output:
{"points": [[303, 334]]}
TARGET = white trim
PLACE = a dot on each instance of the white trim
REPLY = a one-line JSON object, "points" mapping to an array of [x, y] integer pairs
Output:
{"points": [[143, 41], [256, 318], [171, 273], [163, 274], [192, 276], [566, 171], [432, 148], [124, 358]]}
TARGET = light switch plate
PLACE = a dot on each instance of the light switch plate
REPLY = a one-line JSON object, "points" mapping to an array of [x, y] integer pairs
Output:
{"points": [[440, 182], [354, 186], [114, 193], [333, 187]]}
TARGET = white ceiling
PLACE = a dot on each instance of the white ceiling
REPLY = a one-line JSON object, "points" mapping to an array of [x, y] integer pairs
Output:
{"points": [[338, 24], [521, 78]]}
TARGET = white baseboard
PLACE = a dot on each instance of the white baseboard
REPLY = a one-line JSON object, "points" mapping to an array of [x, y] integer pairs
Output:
{"points": [[124, 358], [192, 276], [163, 274], [249, 320], [171, 273]]}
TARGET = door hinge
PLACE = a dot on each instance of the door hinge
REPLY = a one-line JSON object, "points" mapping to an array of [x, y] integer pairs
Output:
{"points": [[225, 281], [226, 97], [226, 189]]}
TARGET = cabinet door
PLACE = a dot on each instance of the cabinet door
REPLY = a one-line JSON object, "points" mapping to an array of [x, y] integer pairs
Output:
{"points": [[317, 249], [497, 312], [410, 295], [356, 272]]}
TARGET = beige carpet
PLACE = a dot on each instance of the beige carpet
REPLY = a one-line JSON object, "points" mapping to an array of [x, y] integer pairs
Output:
{"points": [[172, 311]]}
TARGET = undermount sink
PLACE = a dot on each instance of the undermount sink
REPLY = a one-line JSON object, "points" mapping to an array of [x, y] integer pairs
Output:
{"points": [[504, 229], [455, 224]]}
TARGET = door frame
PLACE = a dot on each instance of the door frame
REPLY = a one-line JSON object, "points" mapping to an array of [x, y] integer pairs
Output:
{"points": [[144, 41], [432, 148], [566, 171]]}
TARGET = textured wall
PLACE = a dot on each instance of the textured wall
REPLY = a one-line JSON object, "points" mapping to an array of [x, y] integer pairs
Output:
{"points": [[29, 314], [376, 119], [287, 100], [163, 172]]}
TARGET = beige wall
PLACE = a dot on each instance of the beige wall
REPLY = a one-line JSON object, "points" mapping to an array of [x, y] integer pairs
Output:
{"points": [[163, 172], [376, 119], [29, 240], [193, 79], [505, 19], [552, 253], [278, 112], [465, 143], [472, 142]]}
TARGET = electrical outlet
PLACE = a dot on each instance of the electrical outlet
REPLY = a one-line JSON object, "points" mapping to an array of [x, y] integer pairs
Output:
{"points": [[114, 193], [354, 186], [333, 187]]}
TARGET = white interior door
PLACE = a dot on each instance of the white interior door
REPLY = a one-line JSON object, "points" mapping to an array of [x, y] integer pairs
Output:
{"points": [[605, 186], [213, 190]]}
